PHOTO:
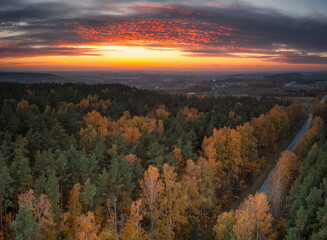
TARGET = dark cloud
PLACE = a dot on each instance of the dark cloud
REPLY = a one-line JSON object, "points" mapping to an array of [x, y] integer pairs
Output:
{"points": [[301, 58], [52, 28]]}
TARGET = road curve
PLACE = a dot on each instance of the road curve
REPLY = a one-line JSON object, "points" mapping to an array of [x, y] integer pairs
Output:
{"points": [[265, 186]]}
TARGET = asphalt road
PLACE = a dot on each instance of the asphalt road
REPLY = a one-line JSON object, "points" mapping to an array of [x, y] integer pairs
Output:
{"points": [[265, 186]]}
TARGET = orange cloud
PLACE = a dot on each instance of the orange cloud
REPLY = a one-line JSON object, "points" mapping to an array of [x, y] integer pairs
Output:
{"points": [[159, 33]]}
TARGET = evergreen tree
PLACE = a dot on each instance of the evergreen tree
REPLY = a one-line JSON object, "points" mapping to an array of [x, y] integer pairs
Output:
{"points": [[20, 169], [24, 228], [5, 190], [89, 191]]}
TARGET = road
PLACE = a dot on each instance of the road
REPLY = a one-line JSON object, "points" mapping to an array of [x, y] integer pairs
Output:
{"points": [[265, 186]]}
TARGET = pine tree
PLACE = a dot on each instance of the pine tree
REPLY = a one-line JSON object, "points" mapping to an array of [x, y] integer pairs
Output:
{"points": [[89, 191], [5, 190], [20, 169], [52, 190], [24, 228], [63, 174]]}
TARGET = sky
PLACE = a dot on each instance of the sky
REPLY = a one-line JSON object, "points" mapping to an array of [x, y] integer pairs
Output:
{"points": [[207, 35]]}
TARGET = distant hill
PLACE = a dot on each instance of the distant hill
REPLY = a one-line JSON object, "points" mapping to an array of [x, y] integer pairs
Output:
{"points": [[30, 77], [284, 77]]}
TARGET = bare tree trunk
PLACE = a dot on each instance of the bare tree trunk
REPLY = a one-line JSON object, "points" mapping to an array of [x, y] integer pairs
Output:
{"points": [[201, 213], [170, 220], [1, 225], [6, 226], [61, 196], [116, 230]]}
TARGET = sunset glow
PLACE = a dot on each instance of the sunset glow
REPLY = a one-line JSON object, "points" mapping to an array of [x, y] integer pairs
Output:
{"points": [[160, 37]]}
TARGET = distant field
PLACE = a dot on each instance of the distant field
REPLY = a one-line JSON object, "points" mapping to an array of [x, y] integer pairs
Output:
{"points": [[306, 102]]}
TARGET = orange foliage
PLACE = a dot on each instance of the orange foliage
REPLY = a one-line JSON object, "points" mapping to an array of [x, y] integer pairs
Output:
{"points": [[84, 103], [133, 229], [253, 219], [191, 184], [161, 126], [317, 122], [178, 157], [281, 180], [295, 112], [152, 189], [22, 106], [265, 132], [27, 200], [161, 112], [42, 211], [95, 125], [174, 200], [132, 128], [95, 103], [280, 120], [223, 148], [192, 113], [131, 158], [86, 227], [300, 148], [319, 108], [249, 151]]}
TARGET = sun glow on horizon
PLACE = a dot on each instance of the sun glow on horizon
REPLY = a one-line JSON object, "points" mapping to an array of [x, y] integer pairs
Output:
{"points": [[142, 58]]}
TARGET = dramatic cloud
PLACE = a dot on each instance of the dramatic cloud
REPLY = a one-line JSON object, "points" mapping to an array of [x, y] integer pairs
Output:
{"points": [[39, 28]]}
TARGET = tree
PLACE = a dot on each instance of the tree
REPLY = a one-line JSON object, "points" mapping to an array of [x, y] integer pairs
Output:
{"points": [[224, 148], [191, 184], [300, 148], [120, 179], [152, 188], [24, 228], [52, 190], [281, 180], [27, 199], [280, 120], [20, 169], [89, 191], [249, 152], [44, 216], [244, 227], [50, 187], [207, 185], [253, 219], [224, 226], [41, 209], [295, 113], [133, 229], [44, 163], [74, 207], [178, 158], [174, 200], [62, 170], [317, 122], [86, 227], [5, 190]]}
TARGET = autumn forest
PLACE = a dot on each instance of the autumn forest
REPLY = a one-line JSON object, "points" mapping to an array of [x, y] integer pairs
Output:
{"points": [[108, 161]]}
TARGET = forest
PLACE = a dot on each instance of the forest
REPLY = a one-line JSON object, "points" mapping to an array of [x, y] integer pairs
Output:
{"points": [[108, 161], [295, 206], [307, 199]]}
